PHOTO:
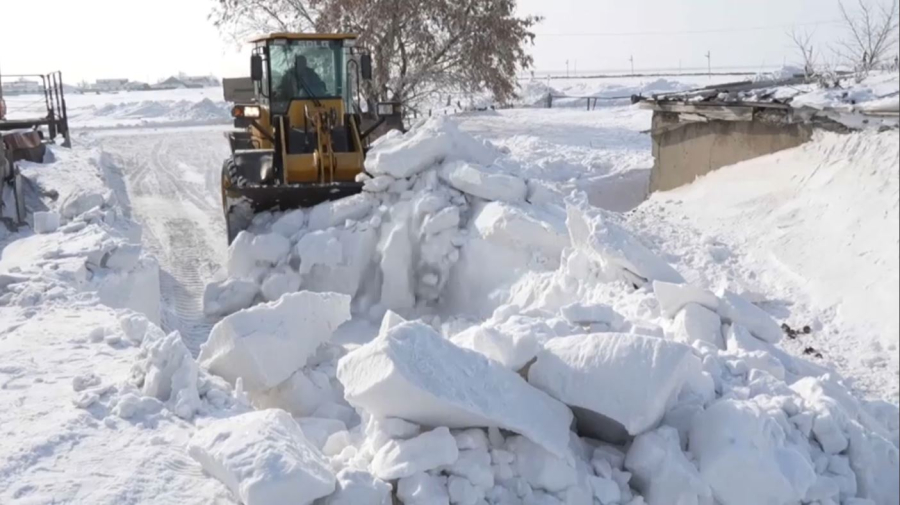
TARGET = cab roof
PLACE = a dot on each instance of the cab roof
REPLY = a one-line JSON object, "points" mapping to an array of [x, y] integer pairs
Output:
{"points": [[304, 36]]}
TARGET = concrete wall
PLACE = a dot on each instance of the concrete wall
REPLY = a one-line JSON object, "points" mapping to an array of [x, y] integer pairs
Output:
{"points": [[683, 151]]}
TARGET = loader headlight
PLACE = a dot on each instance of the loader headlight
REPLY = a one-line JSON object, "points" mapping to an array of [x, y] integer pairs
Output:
{"points": [[245, 111], [388, 109]]}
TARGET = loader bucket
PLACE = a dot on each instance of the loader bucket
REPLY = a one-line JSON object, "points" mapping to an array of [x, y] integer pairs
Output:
{"points": [[243, 202]]}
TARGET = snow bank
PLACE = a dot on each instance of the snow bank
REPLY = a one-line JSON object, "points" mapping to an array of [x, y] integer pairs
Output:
{"points": [[83, 242], [615, 381], [411, 372], [264, 458], [265, 344]]}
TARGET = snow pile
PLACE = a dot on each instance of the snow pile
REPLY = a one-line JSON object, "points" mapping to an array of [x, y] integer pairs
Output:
{"points": [[392, 246], [593, 373], [204, 111]]}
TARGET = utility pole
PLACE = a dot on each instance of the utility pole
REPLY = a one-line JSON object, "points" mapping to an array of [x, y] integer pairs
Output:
{"points": [[575, 71], [567, 68], [709, 62], [631, 59]]}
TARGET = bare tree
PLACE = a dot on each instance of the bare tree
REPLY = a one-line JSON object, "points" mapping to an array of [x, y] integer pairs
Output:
{"points": [[242, 19], [872, 35], [803, 43], [419, 47]]}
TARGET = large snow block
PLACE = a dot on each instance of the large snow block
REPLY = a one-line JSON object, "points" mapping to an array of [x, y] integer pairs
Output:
{"points": [[488, 185], [736, 309], [267, 343], [413, 373], [406, 155], [264, 458], [741, 454], [615, 382], [620, 255], [524, 227]]}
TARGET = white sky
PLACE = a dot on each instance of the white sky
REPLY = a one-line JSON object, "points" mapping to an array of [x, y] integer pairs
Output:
{"points": [[148, 40]]}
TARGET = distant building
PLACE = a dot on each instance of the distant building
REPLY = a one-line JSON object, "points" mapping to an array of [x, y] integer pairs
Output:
{"points": [[206, 81], [110, 84], [137, 86], [184, 81], [22, 87], [170, 83]]}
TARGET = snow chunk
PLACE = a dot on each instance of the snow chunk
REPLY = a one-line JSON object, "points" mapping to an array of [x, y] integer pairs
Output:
{"points": [[696, 323], [615, 382], [45, 222], [280, 283], [170, 374], [318, 248], [513, 351], [228, 296], [620, 255], [407, 155], [413, 373], [264, 458], [736, 309], [477, 182], [335, 212], [585, 315], [359, 488], [742, 455], [270, 247], [540, 468], [267, 343], [444, 219], [79, 202], [240, 257], [662, 473], [523, 227], [674, 297], [289, 223], [405, 458], [423, 489]]}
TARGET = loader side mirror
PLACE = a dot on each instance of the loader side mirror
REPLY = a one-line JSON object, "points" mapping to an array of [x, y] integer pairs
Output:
{"points": [[365, 67], [256, 68]]}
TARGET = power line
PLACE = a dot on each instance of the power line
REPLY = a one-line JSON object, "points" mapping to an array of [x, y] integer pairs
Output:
{"points": [[689, 32]]}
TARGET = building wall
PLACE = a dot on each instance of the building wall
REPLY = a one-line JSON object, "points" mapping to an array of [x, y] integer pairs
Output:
{"points": [[683, 151]]}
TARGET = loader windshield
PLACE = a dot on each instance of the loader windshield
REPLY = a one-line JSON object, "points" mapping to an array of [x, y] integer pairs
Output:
{"points": [[305, 69]]}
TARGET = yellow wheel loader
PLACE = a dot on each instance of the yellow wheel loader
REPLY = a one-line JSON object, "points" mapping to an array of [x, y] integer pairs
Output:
{"points": [[302, 138]]}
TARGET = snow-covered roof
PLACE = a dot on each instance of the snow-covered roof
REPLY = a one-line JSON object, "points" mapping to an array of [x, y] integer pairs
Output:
{"points": [[845, 98]]}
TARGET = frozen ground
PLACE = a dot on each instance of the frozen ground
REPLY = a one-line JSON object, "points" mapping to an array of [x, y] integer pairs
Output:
{"points": [[680, 393]]}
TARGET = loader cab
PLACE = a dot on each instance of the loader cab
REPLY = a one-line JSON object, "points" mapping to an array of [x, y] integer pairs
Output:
{"points": [[325, 68]]}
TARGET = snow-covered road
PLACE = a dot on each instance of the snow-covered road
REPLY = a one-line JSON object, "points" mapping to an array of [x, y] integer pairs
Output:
{"points": [[172, 178]]}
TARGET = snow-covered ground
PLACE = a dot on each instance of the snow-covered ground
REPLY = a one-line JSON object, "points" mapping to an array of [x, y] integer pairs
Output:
{"points": [[540, 290], [177, 107]]}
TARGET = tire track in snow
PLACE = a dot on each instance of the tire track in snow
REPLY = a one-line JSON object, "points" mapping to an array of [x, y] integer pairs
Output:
{"points": [[182, 226]]}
